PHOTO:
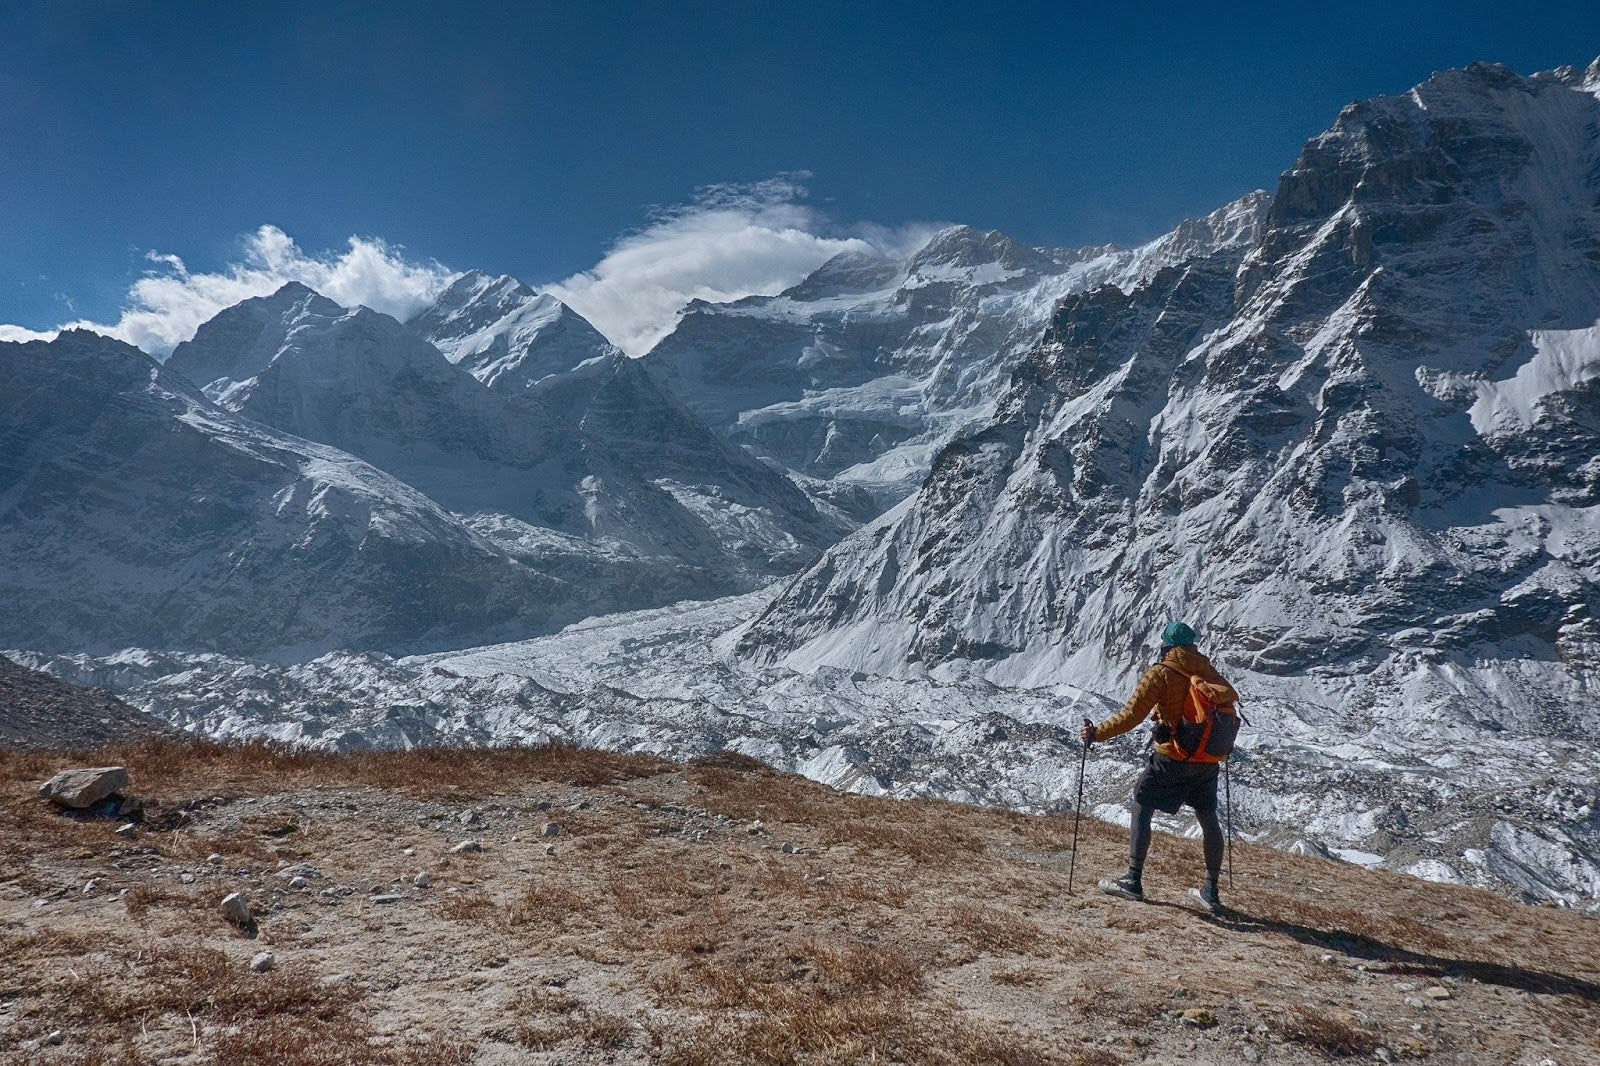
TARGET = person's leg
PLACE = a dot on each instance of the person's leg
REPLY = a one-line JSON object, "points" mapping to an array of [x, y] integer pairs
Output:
{"points": [[1139, 832], [1203, 798], [1131, 884], [1211, 833]]}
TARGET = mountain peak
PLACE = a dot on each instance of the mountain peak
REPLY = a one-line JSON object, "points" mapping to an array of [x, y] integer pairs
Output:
{"points": [[969, 246], [852, 271], [504, 332], [238, 341]]}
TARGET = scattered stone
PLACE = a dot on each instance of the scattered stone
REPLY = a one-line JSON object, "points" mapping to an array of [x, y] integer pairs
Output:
{"points": [[236, 908], [1436, 992], [409, 851], [1383, 1054], [788, 848], [298, 883], [542, 805], [91, 886], [550, 829], [263, 962], [756, 828], [466, 846], [127, 830], [1198, 1017], [422, 880], [549, 849], [77, 789], [1251, 1054], [54, 1038], [1413, 1001], [186, 878], [387, 898], [471, 819], [330, 893], [213, 859]]}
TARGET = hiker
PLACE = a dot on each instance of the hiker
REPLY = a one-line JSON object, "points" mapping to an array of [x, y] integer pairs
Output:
{"points": [[1173, 776]]}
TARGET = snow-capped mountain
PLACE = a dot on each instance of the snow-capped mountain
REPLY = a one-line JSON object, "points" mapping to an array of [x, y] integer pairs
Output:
{"points": [[860, 371], [597, 451], [506, 334], [133, 511], [1360, 453], [360, 381]]}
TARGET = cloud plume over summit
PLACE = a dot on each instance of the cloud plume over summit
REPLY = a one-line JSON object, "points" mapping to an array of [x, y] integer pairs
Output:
{"points": [[731, 241], [167, 304]]}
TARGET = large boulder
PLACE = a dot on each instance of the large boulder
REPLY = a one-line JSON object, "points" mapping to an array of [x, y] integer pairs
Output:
{"points": [[82, 788]]}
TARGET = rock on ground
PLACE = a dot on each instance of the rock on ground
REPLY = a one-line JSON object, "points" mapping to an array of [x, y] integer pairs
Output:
{"points": [[85, 786]]}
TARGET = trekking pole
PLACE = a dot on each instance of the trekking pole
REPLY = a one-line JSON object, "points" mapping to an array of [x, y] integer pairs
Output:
{"points": [[1077, 813], [1227, 791]]}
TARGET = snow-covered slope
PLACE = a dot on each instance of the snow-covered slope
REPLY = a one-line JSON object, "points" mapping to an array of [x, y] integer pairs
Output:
{"points": [[506, 334], [360, 381], [597, 451], [134, 511], [859, 372]]}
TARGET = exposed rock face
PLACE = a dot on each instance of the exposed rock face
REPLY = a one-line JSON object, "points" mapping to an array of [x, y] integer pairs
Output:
{"points": [[1366, 445], [77, 789]]}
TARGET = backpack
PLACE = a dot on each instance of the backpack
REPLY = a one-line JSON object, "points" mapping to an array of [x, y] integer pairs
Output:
{"points": [[1206, 729]]}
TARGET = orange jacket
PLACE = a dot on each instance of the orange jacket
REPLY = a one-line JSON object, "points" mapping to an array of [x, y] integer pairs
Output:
{"points": [[1165, 690]]}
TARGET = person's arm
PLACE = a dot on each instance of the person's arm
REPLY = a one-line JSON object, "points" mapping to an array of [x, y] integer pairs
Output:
{"points": [[1146, 695]]}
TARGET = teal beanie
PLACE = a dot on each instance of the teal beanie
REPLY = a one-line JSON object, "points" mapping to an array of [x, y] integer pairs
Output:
{"points": [[1175, 634]]}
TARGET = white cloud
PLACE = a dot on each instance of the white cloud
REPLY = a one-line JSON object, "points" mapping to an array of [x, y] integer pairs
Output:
{"points": [[169, 303], [732, 241], [22, 333]]}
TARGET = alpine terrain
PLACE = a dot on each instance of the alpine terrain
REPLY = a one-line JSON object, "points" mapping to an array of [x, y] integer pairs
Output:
{"points": [[903, 526], [1361, 453]]}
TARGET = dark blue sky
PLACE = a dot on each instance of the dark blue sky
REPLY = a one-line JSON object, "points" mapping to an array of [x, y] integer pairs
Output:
{"points": [[524, 137]]}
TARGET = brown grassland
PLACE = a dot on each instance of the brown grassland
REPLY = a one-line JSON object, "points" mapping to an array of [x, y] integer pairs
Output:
{"points": [[712, 913]]}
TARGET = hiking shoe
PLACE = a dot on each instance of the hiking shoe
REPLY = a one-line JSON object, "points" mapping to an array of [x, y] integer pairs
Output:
{"points": [[1206, 898], [1126, 887]]}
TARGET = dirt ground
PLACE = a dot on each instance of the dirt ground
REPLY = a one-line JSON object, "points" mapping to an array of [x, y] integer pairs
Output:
{"points": [[630, 910]]}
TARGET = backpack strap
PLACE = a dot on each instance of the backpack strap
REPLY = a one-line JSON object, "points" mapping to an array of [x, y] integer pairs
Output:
{"points": [[1184, 755]]}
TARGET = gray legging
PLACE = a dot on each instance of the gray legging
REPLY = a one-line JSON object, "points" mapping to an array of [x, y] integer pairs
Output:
{"points": [[1210, 830]]}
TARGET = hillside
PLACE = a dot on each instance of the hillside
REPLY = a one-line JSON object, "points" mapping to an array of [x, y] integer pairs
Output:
{"points": [[629, 909], [40, 711]]}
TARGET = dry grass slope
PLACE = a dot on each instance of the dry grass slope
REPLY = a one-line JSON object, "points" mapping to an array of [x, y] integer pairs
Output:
{"points": [[715, 912]]}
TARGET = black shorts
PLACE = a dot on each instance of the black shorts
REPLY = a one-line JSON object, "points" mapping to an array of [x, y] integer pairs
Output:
{"points": [[1166, 785]]}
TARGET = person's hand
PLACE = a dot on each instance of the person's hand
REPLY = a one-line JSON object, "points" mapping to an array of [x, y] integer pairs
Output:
{"points": [[1088, 732]]}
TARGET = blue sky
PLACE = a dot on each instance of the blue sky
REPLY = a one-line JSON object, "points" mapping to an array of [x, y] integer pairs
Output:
{"points": [[528, 138]]}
